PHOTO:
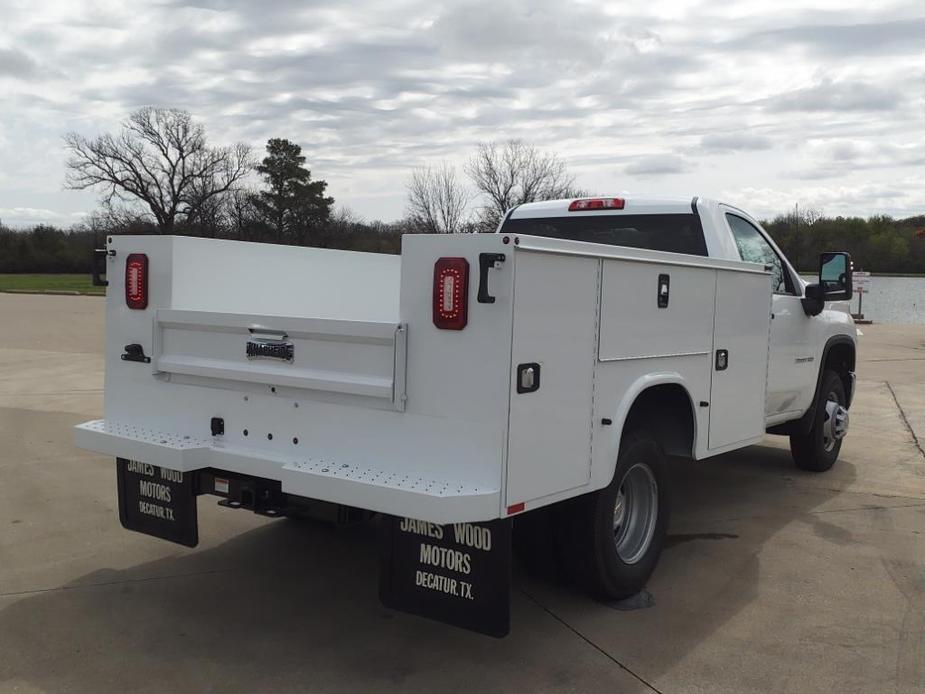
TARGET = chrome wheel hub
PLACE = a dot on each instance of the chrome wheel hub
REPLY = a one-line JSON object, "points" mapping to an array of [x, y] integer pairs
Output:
{"points": [[835, 423], [635, 513]]}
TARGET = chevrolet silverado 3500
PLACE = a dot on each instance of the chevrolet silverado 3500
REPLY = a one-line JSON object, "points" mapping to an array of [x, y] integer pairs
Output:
{"points": [[536, 377]]}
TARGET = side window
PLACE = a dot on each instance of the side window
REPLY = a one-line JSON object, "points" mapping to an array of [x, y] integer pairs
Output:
{"points": [[753, 248]]}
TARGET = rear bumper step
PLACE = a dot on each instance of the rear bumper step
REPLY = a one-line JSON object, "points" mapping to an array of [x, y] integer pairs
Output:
{"points": [[371, 487]]}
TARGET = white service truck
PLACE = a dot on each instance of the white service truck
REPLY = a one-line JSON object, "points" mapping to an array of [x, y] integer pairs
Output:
{"points": [[536, 377]]}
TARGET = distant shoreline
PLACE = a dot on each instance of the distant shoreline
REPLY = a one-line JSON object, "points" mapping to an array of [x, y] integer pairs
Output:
{"points": [[813, 273]]}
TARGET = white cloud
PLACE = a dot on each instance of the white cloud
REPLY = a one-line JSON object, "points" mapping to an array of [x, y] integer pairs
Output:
{"points": [[656, 164], [829, 95], [26, 216], [835, 158], [733, 141], [758, 96], [15, 63], [845, 200]]}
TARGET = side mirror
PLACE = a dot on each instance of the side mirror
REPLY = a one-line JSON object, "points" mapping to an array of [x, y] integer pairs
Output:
{"points": [[834, 283], [835, 276]]}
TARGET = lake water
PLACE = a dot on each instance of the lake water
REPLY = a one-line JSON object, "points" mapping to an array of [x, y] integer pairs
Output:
{"points": [[892, 299]]}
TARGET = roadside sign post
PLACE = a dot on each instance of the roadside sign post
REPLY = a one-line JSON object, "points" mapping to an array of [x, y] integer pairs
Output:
{"points": [[861, 282]]}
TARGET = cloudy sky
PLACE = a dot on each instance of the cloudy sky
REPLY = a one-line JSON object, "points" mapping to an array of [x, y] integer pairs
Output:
{"points": [[763, 104]]}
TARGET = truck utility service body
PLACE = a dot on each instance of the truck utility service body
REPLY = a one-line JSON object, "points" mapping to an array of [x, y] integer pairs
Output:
{"points": [[473, 379]]}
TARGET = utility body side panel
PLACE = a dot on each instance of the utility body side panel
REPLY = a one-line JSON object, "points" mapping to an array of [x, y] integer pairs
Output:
{"points": [[555, 327], [640, 343]]}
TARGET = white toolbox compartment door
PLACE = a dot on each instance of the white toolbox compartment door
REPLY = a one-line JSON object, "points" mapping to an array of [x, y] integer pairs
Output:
{"points": [[348, 358], [555, 315], [741, 328]]}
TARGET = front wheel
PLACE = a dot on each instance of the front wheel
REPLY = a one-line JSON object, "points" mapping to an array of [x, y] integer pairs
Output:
{"points": [[616, 534], [818, 450]]}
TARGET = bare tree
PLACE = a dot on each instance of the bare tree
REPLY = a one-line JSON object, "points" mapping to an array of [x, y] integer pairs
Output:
{"points": [[514, 172], [437, 201], [243, 218], [161, 159], [344, 219], [112, 218]]}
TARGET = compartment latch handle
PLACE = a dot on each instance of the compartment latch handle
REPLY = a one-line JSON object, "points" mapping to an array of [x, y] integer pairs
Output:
{"points": [[486, 262]]}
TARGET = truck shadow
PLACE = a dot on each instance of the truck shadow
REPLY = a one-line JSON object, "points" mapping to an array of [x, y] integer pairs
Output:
{"points": [[293, 605], [725, 510]]}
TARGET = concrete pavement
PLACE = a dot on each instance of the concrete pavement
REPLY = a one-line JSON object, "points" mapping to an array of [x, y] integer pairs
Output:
{"points": [[775, 580]]}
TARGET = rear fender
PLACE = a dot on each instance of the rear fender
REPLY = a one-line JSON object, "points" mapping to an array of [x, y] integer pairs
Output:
{"points": [[621, 410]]}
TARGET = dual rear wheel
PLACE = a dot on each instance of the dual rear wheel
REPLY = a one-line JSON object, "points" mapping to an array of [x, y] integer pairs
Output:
{"points": [[608, 541], [617, 533]]}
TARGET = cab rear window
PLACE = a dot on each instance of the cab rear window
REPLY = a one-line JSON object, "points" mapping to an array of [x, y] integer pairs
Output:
{"points": [[675, 233]]}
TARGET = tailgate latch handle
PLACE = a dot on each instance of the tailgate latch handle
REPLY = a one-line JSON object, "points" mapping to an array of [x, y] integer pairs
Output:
{"points": [[135, 352], [486, 262]]}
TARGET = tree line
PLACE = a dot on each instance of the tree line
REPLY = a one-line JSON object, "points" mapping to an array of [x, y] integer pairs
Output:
{"points": [[159, 174], [876, 244]]}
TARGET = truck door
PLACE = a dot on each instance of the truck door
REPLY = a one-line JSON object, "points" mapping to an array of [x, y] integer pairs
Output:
{"points": [[553, 352], [790, 365]]}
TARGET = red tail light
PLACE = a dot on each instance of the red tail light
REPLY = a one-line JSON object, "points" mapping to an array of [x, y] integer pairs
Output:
{"points": [[596, 204], [451, 293], [136, 281]]}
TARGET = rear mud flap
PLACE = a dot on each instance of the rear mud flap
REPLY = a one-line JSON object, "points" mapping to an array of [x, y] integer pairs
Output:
{"points": [[458, 574], [157, 501]]}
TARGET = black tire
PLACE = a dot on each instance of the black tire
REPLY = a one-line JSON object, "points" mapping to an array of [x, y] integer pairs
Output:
{"points": [[592, 539], [813, 451], [536, 542]]}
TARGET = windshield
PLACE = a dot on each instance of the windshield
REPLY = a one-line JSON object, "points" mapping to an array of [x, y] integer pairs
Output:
{"points": [[675, 233]]}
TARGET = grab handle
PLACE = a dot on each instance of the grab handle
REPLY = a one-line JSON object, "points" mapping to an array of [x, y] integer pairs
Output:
{"points": [[487, 261]]}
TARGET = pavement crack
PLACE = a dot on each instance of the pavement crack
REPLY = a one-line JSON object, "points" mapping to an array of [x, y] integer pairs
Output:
{"points": [[902, 414], [896, 359], [864, 508], [850, 509], [114, 583], [587, 640]]}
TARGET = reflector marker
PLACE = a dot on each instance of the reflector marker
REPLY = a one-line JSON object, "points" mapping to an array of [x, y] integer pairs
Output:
{"points": [[451, 293], [590, 204], [136, 281]]}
